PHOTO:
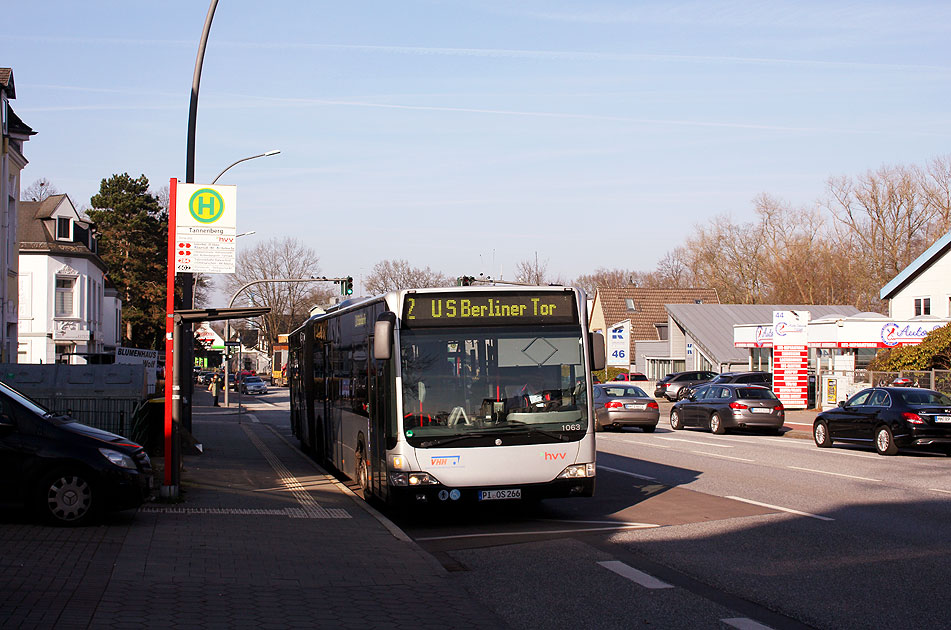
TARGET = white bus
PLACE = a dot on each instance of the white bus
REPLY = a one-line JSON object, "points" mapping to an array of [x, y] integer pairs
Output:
{"points": [[441, 396]]}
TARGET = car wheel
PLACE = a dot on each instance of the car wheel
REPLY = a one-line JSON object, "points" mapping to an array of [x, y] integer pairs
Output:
{"points": [[820, 433], [649, 429], [716, 425], [67, 497], [885, 441], [676, 423]]}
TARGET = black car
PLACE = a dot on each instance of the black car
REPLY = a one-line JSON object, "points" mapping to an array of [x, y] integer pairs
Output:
{"points": [[68, 472], [888, 418], [744, 378], [729, 406], [671, 385]]}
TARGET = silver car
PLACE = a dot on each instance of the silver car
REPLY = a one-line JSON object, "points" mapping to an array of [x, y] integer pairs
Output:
{"points": [[253, 385], [618, 405]]}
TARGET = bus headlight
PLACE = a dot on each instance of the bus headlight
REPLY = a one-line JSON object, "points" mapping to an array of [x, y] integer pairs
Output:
{"points": [[577, 471], [412, 479]]}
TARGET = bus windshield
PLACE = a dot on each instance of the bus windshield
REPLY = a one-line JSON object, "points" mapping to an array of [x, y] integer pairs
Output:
{"points": [[467, 386]]}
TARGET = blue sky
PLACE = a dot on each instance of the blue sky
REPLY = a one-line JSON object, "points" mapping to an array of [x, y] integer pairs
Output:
{"points": [[467, 136]]}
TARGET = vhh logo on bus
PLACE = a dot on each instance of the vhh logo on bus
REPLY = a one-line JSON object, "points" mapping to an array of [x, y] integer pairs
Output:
{"points": [[206, 205]]}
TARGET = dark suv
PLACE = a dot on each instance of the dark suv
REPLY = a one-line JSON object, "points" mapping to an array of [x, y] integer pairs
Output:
{"points": [[68, 472], [740, 378], [672, 385]]}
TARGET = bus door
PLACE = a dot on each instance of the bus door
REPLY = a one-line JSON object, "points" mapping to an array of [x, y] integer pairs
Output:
{"points": [[378, 409]]}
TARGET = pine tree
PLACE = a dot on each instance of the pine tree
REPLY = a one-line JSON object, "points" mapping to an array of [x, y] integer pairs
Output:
{"points": [[133, 228]]}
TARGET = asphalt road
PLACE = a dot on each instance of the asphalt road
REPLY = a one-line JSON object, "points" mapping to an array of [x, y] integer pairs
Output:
{"points": [[690, 529]]}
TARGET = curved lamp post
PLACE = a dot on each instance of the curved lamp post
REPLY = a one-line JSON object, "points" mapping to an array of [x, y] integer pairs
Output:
{"points": [[266, 154], [228, 324]]}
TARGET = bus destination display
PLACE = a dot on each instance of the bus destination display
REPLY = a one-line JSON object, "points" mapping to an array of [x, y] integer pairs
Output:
{"points": [[484, 309]]}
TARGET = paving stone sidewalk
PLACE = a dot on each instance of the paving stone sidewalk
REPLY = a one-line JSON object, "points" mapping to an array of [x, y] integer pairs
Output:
{"points": [[262, 539]]}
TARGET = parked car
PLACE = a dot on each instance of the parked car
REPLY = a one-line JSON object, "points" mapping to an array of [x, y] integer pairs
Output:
{"points": [[746, 378], [670, 386], [888, 418], [631, 376], [66, 471], [253, 385], [618, 405], [729, 406]]}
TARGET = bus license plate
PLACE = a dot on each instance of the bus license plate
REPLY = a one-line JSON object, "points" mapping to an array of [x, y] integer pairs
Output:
{"points": [[493, 495], [942, 418]]}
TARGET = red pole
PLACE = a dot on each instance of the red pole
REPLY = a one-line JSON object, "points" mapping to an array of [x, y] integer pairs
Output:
{"points": [[169, 328]]}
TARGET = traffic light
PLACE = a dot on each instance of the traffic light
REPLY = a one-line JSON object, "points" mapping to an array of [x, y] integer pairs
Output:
{"points": [[348, 286], [465, 281]]}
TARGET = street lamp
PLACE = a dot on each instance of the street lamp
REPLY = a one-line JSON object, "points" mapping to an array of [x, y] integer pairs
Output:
{"points": [[228, 324], [259, 155]]}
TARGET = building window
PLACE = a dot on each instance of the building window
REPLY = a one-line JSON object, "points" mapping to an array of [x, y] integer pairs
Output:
{"points": [[922, 306], [661, 331], [65, 288], [631, 306], [62, 228]]}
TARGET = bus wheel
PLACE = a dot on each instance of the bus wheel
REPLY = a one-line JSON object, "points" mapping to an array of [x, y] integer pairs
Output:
{"points": [[363, 472]]}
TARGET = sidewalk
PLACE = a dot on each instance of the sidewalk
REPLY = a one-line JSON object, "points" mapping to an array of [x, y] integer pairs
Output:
{"points": [[262, 539]]}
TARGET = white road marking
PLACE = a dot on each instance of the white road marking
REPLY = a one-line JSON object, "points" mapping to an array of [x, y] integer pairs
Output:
{"points": [[781, 509], [940, 490], [629, 572], [542, 532], [745, 623], [826, 472], [636, 442], [625, 472], [738, 459], [695, 442]]}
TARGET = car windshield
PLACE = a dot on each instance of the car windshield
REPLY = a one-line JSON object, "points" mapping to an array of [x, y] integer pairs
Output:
{"points": [[624, 391], [755, 393], [478, 381], [24, 400], [253, 379], [925, 397]]}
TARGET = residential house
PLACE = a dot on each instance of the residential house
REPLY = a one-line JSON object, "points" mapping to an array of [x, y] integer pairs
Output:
{"points": [[924, 286], [12, 162], [644, 306], [69, 313]]}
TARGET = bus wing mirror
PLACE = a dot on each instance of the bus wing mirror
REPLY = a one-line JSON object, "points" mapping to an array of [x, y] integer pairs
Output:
{"points": [[382, 339], [596, 343]]}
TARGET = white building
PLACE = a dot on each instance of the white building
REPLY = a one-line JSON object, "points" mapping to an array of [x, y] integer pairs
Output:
{"points": [[68, 313], [924, 286], [14, 133]]}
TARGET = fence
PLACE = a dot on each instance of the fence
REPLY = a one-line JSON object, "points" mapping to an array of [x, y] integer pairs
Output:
{"points": [[839, 385], [101, 396]]}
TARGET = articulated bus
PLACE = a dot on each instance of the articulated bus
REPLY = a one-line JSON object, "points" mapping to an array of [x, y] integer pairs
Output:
{"points": [[452, 395]]}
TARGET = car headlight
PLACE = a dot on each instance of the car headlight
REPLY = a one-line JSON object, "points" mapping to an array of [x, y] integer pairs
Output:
{"points": [[577, 471], [412, 479], [119, 459]]}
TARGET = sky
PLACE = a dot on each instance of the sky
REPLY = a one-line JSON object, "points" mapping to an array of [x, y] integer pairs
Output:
{"points": [[470, 136]]}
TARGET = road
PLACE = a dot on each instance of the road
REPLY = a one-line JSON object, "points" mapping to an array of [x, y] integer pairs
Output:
{"points": [[690, 529]]}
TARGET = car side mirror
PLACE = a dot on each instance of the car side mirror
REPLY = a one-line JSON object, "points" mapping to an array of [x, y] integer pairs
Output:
{"points": [[842, 404]]}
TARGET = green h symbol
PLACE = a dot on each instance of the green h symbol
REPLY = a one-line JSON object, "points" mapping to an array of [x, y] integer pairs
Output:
{"points": [[206, 205]]}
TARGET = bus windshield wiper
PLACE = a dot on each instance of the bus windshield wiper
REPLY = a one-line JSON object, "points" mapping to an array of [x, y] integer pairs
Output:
{"points": [[518, 424], [449, 439]]}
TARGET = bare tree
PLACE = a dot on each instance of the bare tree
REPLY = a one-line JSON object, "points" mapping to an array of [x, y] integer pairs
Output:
{"points": [[603, 278], [290, 302], [390, 275], [935, 182], [39, 190], [532, 272]]}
